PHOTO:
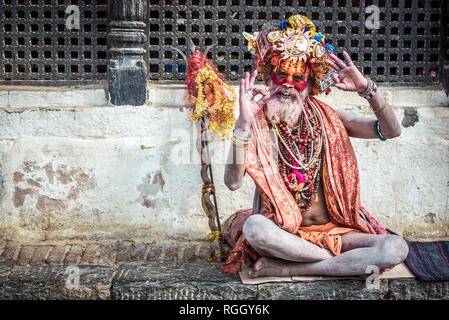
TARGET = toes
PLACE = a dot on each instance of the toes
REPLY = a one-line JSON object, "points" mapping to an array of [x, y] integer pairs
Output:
{"points": [[267, 267], [258, 266], [255, 273]]}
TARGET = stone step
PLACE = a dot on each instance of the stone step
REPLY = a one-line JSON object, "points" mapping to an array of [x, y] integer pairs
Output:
{"points": [[166, 279]]}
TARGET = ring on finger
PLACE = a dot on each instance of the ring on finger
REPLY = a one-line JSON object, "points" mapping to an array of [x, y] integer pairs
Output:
{"points": [[258, 98]]}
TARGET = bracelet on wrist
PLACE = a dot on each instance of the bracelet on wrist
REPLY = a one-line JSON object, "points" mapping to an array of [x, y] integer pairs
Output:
{"points": [[370, 91], [241, 133], [238, 141]]}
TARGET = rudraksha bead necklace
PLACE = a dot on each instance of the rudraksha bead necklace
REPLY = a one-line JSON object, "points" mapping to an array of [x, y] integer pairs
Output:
{"points": [[300, 157]]}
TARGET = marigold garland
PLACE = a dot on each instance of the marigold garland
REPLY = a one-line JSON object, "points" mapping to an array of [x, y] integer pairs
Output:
{"points": [[215, 100]]}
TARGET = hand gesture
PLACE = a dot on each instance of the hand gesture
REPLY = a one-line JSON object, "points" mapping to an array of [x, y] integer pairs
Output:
{"points": [[348, 77], [249, 107]]}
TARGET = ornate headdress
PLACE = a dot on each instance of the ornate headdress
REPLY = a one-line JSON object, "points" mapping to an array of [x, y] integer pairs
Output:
{"points": [[294, 48]]}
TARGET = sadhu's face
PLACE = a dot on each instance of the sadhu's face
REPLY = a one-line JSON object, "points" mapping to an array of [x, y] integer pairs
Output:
{"points": [[295, 75], [288, 92]]}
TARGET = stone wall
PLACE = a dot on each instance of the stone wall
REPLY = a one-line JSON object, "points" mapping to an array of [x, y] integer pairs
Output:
{"points": [[74, 167]]}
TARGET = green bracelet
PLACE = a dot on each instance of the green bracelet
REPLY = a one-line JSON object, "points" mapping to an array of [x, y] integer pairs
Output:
{"points": [[379, 134]]}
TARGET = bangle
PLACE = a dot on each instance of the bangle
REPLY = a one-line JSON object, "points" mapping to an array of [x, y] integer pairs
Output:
{"points": [[240, 142], [378, 132], [246, 133], [370, 91], [241, 138], [236, 139]]}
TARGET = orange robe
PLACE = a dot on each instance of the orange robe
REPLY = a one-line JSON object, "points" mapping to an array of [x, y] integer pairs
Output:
{"points": [[340, 180]]}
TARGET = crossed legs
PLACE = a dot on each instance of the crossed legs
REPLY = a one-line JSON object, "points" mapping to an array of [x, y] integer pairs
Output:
{"points": [[285, 254]]}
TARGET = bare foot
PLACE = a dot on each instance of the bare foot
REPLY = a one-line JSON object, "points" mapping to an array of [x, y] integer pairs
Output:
{"points": [[269, 267]]}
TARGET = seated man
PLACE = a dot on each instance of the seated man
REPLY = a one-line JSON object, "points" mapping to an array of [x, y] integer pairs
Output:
{"points": [[307, 218]]}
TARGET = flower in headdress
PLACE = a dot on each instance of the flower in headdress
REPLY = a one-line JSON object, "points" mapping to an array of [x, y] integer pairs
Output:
{"points": [[283, 25], [319, 37], [329, 48]]}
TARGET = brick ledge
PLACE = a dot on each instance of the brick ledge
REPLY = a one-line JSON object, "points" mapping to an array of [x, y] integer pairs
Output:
{"points": [[105, 253]]}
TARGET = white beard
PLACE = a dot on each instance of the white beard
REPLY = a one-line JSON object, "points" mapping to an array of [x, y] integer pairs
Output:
{"points": [[286, 108]]}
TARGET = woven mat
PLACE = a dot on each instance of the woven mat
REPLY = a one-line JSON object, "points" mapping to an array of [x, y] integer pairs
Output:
{"points": [[399, 271]]}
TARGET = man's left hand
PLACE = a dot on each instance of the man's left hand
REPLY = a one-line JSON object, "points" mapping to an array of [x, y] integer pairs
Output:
{"points": [[347, 77]]}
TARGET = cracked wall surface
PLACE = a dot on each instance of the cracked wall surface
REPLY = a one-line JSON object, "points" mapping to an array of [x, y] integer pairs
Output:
{"points": [[77, 168]]}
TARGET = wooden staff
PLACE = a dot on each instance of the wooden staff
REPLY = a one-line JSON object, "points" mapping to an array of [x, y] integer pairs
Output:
{"points": [[208, 190]]}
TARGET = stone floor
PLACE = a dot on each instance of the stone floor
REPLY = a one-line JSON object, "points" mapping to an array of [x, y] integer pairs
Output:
{"points": [[168, 279], [140, 270]]}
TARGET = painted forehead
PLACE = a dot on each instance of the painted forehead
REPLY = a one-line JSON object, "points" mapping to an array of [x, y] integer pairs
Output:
{"points": [[293, 69]]}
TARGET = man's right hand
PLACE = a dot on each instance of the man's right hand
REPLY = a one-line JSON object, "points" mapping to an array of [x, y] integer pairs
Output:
{"points": [[249, 107]]}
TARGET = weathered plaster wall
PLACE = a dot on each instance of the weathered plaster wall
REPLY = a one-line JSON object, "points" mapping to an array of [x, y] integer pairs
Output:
{"points": [[71, 166]]}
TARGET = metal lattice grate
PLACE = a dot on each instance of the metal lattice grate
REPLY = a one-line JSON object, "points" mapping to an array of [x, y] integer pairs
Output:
{"points": [[37, 45], [404, 49]]}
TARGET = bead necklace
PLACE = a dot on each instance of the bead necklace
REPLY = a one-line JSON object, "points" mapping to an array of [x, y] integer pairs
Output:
{"points": [[288, 145], [300, 157]]}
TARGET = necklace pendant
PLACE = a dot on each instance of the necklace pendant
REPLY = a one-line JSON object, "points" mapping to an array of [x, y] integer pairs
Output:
{"points": [[298, 196]]}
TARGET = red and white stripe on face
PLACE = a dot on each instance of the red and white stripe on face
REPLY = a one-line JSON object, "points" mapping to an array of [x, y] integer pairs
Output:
{"points": [[291, 74]]}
